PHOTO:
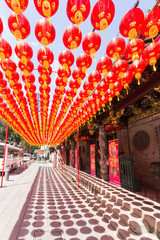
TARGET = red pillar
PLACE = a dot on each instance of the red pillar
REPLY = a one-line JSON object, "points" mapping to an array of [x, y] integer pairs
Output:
{"points": [[78, 153], [30, 155], [4, 158], [23, 155]]}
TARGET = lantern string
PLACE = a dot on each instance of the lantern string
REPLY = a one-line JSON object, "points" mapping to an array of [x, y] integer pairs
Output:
{"points": [[136, 4]]}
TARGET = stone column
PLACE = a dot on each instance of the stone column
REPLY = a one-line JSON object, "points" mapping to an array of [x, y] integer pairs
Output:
{"points": [[103, 153]]}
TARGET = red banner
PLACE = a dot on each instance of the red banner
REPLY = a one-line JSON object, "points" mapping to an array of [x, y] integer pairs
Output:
{"points": [[92, 160], [114, 174]]}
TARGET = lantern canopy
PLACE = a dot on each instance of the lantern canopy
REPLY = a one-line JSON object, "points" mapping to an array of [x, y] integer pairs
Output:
{"points": [[102, 14]]}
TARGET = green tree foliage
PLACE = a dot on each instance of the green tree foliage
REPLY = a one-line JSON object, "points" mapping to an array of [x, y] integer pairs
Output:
{"points": [[14, 138]]}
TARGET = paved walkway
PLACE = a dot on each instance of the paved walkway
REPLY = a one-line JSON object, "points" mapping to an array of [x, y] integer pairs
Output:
{"points": [[43, 204]]}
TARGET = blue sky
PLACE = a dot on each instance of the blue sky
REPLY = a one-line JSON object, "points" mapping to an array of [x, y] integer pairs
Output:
{"points": [[60, 21]]}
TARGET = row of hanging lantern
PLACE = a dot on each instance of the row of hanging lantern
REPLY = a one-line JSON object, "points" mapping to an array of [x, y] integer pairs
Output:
{"points": [[24, 52], [135, 51]]}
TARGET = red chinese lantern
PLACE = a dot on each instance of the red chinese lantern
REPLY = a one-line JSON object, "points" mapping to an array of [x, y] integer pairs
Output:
{"points": [[94, 77], [91, 43], [83, 62], [26, 68], [17, 6], [45, 83], [102, 87], [29, 80], [13, 78], [60, 82], [45, 92], [45, 32], [102, 14], [23, 51], [109, 95], [120, 67], [19, 25], [136, 68], [64, 74], [83, 95], [88, 86], [72, 37], [131, 23], [47, 8], [78, 75], [5, 49], [30, 88], [78, 10], [5, 92], [104, 65], [151, 53], [44, 72], [111, 79], [1, 26], [17, 87], [70, 93], [117, 88], [74, 85], [66, 59], [9, 66], [127, 79], [134, 50], [85, 138], [115, 48], [45, 56], [3, 84], [151, 23]]}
